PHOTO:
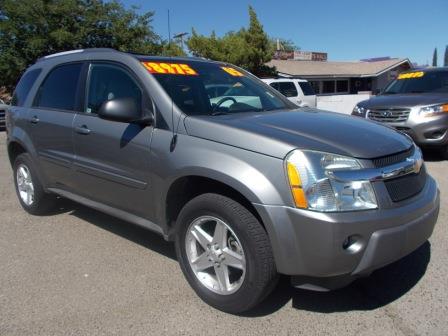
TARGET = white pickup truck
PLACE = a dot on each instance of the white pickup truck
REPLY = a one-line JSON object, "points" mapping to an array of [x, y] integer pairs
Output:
{"points": [[299, 91]]}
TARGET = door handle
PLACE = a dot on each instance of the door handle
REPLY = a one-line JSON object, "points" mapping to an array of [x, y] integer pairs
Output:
{"points": [[34, 120], [82, 130]]}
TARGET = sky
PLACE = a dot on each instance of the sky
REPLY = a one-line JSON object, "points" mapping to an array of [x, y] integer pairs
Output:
{"points": [[345, 29]]}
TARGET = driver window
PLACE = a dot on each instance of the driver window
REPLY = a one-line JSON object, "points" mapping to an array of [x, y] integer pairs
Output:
{"points": [[108, 82]]}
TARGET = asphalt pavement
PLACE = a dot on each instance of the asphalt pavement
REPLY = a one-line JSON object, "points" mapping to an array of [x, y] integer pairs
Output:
{"points": [[81, 272]]}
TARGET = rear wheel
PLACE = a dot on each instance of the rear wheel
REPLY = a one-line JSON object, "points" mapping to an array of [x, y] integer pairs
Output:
{"points": [[225, 253], [29, 190]]}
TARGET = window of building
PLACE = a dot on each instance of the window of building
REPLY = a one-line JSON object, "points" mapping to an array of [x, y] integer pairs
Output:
{"points": [[328, 86], [58, 91], [341, 86]]}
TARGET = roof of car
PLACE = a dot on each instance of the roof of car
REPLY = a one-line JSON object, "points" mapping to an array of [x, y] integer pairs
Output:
{"points": [[431, 69], [136, 55]]}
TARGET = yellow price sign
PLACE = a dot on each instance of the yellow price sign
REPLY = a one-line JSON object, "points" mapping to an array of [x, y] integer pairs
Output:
{"points": [[408, 75], [232, 71], [169, 68]]}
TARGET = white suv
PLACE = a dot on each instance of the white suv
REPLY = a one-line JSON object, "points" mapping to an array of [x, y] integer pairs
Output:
{"points": [[299, 91]]}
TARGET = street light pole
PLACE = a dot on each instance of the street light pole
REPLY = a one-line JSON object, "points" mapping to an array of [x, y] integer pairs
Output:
{"points": [[181, 37]]}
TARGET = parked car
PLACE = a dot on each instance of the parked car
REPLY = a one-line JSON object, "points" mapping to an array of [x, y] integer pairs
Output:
{"points": [[415, 103], [245, 191], [3, 108], [299, 91]]}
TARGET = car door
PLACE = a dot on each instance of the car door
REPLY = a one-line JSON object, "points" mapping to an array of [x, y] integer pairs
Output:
{"points": [[307, 93], [51, 123], [112, 158]]}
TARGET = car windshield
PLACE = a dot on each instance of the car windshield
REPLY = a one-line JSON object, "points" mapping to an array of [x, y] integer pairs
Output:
{"points": [[419, 82], [206, 88]]}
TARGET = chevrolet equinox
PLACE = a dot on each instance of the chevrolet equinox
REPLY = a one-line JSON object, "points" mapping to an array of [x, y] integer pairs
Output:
{"points": [[247, 185]]}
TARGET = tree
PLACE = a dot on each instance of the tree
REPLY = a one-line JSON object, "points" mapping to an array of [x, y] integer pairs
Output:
{"points": [[445, 58], [249, 48], [259, 49], [434, 57], [30, 29]]}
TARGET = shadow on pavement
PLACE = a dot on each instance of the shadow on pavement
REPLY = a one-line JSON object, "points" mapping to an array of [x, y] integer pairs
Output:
{"points": [[432, 154], [129, 231], [381, 288]]}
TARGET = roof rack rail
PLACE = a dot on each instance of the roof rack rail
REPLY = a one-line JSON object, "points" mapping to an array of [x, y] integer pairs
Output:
{"points": [[69, 52]]}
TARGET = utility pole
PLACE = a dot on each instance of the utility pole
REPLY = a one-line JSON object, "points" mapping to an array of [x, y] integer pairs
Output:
{"points": [[181, 37]]}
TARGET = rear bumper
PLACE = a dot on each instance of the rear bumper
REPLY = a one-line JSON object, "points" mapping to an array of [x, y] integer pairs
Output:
{"points": [[311, 244]]}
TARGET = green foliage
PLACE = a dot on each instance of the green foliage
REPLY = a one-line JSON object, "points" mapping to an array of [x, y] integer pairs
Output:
{"points": [[249, 48], [285, 45], [434, 57], [445, 58], [30, 29]]}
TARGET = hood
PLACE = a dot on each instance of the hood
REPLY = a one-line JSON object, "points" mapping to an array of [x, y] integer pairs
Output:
{"points": [[277, 133], [405, 100]]}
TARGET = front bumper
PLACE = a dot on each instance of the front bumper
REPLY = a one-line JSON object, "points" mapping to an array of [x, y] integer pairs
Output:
{"points": [[425, 131], [311, 244]]}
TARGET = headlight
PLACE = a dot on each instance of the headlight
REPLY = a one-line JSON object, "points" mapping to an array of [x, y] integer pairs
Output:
{"points": [[359, 110], [429, 111], [313, 187]]}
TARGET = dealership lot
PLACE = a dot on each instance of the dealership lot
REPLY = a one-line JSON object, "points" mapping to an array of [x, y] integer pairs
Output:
{"points": [[80, 272]]}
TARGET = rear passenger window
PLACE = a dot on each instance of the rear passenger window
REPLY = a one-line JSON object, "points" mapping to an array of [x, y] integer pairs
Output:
{"points": [[307, 88], [24, 86], [58, 91], [288, 89], [108, 82]]}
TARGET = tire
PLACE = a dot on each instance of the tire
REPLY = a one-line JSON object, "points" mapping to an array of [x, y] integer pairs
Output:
{"points": [[255, 275], [444, 152], [40, 203]]}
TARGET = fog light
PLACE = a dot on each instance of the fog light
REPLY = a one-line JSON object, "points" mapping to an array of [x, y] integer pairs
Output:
{"points": [[353, 244]]}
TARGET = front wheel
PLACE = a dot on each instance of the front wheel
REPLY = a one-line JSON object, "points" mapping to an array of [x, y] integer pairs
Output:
{"points": [[224, 253]]}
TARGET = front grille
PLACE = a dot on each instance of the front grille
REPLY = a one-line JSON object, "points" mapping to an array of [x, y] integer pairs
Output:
{"points": [[405, 187], [388, 160], [389, 115]]}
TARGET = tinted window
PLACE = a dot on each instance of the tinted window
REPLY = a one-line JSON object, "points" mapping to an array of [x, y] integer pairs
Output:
{"points": [[306, 88], [328, 87], [110, 82], [342, 86], [24, 87], [436, 81], [191, 86], [59, 88], [288, 89]]}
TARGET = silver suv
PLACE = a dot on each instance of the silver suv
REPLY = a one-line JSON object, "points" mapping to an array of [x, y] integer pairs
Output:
{"points": [[416, 103], [247, 185]]}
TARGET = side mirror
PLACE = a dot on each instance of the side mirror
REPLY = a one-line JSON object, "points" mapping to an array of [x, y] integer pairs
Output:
{"points": [[377, 92], [120, 109]]}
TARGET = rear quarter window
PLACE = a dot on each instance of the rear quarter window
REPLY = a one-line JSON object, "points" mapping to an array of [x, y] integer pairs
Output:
{"points": [[307, 88], [59, 90], [24, 86]]}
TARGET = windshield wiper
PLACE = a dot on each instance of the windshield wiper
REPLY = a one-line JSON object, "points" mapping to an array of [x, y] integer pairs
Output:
{"points": [[218, 113]]}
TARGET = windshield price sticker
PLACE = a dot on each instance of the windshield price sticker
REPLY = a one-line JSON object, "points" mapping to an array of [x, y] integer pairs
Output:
{"points": [[169, 68], [417, 74], [233, 72]]}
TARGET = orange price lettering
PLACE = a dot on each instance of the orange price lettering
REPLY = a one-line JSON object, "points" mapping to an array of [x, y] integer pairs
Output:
{"points": [[169, 68], [232, 71]]}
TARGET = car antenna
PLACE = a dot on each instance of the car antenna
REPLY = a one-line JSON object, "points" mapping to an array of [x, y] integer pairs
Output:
{"points": [[174, 138]]}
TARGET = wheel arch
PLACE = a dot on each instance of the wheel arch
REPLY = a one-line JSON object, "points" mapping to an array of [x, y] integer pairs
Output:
{"points": [[185, 188]]}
